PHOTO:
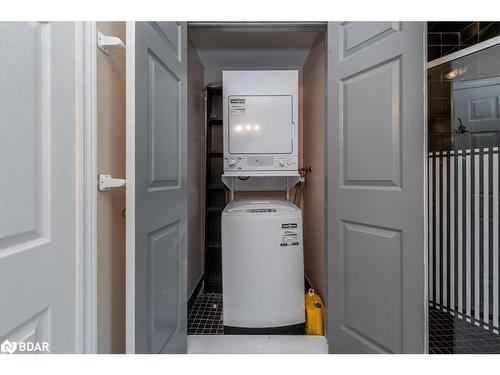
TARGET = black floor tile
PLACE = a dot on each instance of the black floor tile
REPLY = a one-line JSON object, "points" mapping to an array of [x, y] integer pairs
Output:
{"points": [[205, 316], [449, 334]]}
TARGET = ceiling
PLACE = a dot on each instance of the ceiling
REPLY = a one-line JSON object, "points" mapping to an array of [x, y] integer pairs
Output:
{"points": [[253, 49], [253, 40]]}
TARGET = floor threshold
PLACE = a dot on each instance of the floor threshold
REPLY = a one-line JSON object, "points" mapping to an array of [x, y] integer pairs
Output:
{"points": [[256, 344]]}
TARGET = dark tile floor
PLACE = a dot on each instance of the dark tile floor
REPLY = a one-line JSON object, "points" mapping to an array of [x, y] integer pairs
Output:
{"points": [[205, 316], [447, 334], [451, 335]]}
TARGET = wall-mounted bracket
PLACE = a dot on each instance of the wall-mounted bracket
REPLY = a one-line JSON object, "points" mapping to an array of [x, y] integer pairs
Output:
{"points": [[106, 182], [106, 43]]}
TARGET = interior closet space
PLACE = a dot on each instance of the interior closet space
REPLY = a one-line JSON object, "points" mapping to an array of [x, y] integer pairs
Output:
{"points": [[212, 50]]}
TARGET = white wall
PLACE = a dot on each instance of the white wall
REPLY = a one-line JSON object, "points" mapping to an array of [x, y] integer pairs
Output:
{"points": [[217, 60], [110, 222], [196, 166], [314, 77]]}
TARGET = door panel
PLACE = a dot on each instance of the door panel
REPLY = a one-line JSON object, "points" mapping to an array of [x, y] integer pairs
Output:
{"points": [[164, 125], [37, 174], [371, 123], [160, 186], [372, 253], [375, 213], [359, 35], [476, 106]]}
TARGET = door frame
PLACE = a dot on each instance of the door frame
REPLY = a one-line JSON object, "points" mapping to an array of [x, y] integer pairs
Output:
{"points": [[130, 189], [425, 195], [85, 187]]}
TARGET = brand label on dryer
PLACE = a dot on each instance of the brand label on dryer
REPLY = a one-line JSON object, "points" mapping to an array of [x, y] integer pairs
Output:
{"points": [[237, 101], [237, 106], [289, 235]]}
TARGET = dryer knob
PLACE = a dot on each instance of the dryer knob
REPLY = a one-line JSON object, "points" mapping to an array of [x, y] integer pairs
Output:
{"points": [[232, 162], [282, 163]]}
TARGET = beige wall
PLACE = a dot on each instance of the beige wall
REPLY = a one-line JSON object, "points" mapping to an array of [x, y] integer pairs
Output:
{"points": [[110, 222], [314, 76], [196, 191]]}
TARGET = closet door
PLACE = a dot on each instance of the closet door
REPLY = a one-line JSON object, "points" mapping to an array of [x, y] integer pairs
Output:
{"points": [[375, 165], [37, 186], [156, 187]]}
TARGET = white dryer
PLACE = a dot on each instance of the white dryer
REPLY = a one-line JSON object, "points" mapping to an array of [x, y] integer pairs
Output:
{"points": [[260, 121], [262, 268]]}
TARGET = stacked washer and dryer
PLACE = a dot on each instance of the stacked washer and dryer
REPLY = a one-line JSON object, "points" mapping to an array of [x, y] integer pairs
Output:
{"points": [[262, 246]]}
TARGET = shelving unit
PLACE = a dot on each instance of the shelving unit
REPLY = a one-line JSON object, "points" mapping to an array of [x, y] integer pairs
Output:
{"points": [[216, 192]]}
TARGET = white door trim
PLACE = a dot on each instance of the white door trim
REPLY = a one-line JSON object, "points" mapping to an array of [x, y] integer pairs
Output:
{"points": [[130, 191], [85, 188], [464, 52], [426, 196]]}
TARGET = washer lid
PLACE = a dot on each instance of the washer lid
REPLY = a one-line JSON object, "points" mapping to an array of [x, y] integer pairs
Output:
{"points": [[260, 206]]}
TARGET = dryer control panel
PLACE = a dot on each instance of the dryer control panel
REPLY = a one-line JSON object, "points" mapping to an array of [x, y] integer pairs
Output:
{"points": [[241, 163]]}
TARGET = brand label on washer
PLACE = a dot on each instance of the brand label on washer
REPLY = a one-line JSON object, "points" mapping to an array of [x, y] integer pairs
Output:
{"points": [[237, 106], [289, 234]]}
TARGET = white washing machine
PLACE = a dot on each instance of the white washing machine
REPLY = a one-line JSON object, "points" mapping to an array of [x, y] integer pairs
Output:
{"points": [[262, 268]]}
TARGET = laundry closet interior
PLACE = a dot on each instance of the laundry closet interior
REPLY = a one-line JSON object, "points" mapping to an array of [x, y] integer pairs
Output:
{"points": [[227, 196], [287, 58]]}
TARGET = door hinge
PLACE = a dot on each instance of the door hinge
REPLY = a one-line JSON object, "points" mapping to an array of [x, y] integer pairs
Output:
{"points": [[106, 43], [106, 182]]}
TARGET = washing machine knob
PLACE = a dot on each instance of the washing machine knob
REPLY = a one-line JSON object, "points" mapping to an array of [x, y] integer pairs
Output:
{"points": [[232, 162], [282, 163]]}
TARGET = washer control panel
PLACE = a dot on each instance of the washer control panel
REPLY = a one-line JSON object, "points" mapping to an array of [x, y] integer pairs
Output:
{"points": [[256, 163]]}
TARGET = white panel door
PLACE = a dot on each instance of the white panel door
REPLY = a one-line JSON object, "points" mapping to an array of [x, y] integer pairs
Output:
{"points": [[375, 188], [156, 190], [37, 184]]}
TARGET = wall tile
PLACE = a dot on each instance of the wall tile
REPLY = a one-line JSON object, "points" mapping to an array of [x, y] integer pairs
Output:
{"points": [[433, 52], [490, 31], [446, 50], [450, 39], [469, 35], [434, 39], [444, 38], [443, 27]]}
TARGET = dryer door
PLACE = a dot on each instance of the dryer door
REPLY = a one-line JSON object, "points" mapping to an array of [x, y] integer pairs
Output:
{"points": [[261, 124]]}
